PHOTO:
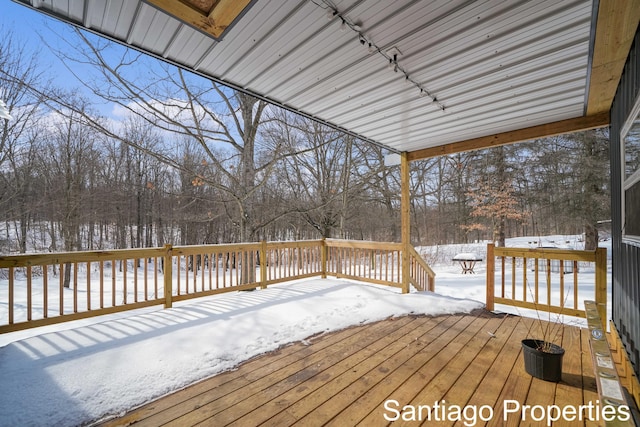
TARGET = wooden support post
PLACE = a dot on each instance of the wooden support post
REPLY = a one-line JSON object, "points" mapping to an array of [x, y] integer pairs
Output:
{"points": [[491, 277], [405, 220], [601, 285], [168, 276]]}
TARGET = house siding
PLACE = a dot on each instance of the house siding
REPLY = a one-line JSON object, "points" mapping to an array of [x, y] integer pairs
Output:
{"points": [[625, 257]]}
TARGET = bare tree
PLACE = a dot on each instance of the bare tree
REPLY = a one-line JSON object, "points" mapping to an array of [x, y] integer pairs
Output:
{"points": [[21, 201], [18, 70], [222, 121], [315, 176], [67, 161]]}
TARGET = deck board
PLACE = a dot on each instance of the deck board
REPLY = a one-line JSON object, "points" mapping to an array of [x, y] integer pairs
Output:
{"points": [[434, 379], [244, 387], [360, 375], [571, 375], [508, 380], [330, 382], [430, 348], [344, 378], [367, 405]]}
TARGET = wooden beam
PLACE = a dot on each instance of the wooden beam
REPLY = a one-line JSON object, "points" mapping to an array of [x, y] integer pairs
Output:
{"points": [[615, 30], [214, 23], [226, 11], [527, 134]]}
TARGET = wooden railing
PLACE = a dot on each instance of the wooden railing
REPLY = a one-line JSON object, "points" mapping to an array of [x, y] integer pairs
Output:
{"points": [[379, 263], [422, 277], [367, 261], [43, 289], [210, 269], [538, 279], [292, 260], [52, 286]]}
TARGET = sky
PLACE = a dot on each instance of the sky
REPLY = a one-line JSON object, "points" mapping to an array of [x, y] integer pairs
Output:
{"points": [[42, 34], [36, 30], [29, 26]]}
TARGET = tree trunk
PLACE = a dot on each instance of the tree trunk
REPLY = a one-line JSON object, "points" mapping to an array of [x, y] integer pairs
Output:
{"points": [[501, 180], [67, 275], [590, 237]]}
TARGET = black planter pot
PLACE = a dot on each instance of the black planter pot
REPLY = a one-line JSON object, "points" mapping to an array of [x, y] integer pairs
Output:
{"points": [[546, 365]]}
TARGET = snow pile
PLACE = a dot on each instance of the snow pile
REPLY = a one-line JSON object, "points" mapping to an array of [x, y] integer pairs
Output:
{"points": [[69, 377], [466, 256]]}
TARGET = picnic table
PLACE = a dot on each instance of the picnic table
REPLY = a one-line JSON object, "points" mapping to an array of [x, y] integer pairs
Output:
{"points": [[467, 261]]}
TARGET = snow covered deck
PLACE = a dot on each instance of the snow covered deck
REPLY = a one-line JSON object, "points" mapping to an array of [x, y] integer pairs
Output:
{"points": [[309, 351], [375, 373]]}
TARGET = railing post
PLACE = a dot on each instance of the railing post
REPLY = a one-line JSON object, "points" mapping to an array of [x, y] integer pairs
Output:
{"points": [[405, 220], [601, 284], [168, 276], [323, 257], [263, 264], [491, 276]]}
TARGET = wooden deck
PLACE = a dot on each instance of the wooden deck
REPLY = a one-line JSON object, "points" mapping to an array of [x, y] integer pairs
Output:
{"points": [[344, 378]]}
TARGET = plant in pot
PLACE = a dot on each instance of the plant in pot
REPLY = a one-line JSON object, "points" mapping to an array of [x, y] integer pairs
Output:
{"points": [[543, 358]]}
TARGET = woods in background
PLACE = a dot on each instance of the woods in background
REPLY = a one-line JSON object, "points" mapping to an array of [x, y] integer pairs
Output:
{"points": [[182, 160]]}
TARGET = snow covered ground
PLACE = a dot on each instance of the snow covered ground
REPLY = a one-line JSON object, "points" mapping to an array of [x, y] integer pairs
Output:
{"points": [[450, 282], [73, 373]]}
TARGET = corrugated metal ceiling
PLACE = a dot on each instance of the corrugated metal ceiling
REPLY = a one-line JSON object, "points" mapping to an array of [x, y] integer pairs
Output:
{"points": [[493, 65]]}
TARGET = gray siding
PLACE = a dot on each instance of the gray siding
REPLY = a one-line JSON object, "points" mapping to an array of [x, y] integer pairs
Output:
{"points": [[626, 258]]}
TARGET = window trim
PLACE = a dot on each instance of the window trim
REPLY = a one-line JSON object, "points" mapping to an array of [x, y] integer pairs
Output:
{"points": [[626, 183]]}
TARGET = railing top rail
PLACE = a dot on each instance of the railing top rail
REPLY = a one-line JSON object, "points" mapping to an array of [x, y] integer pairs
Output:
{"points": [[25, 260], [362, 244], [295, 244], [547, 253], [225, 247]]}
